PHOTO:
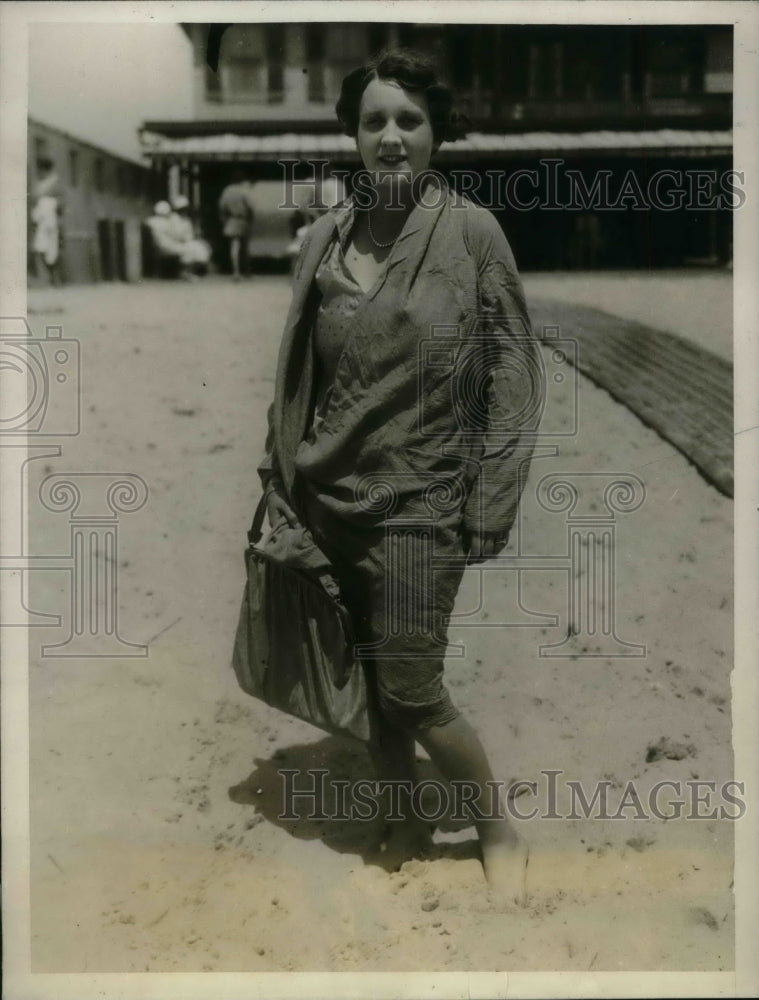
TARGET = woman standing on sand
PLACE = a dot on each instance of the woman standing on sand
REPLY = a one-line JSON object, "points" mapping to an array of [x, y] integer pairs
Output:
{"points": [[396, 402]]}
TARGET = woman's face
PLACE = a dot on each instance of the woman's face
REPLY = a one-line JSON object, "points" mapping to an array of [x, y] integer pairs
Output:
{"points": [[394, 131]]}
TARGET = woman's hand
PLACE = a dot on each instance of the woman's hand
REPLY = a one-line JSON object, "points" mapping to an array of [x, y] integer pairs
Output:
{"points": [[279, 510], [480, 546]]}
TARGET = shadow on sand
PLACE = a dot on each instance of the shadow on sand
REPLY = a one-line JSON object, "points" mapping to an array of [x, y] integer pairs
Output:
{"points": [[328, 811]]}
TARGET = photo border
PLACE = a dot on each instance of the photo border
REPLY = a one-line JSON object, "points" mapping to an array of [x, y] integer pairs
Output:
{"points": [[19, 982]]}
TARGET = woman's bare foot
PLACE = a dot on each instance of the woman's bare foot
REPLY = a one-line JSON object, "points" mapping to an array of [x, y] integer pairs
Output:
{"points": [[505, 863]]}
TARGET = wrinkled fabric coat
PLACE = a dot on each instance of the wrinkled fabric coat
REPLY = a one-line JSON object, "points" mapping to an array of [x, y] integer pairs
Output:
{"points": [[440, 380]]}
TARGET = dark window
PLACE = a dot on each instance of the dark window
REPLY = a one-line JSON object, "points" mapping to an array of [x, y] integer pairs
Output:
{"points": [[594, 63], [346, 47], [483, 47], [542, 70], [675, 63], [213, 84], [105, 248], [40, 149], [472, 57], [118, 238], [242, 64], [276, 83], [514, 68], [378, 37], [243, 80], [275, 63], [314, 42], [718, 61], [74, 167], [460, 57], [407, 35], [98, 173], [315, 62]]}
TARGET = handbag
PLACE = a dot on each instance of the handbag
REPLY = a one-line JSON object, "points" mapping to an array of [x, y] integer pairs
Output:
{"points": [[294, 645]]}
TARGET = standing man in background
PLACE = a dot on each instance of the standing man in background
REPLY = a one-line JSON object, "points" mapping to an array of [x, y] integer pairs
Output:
{"points": [[237, 217]]}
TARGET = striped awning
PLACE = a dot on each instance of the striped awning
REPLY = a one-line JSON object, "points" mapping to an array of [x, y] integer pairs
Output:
{"points": [[478, 145]]}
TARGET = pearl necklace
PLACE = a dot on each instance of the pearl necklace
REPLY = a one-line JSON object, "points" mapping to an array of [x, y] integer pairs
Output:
{"points": [[372, 237]]}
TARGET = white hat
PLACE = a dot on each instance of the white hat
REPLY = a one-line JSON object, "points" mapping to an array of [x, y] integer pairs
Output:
{"points": [[162, 208], [180, 202]]}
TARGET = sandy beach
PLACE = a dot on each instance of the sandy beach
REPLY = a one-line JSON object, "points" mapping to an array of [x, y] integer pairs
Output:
{"points": [[155, 795]]}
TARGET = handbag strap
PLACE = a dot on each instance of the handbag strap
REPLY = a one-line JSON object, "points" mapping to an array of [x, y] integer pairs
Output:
{"points": [[326, 579], [255, 532]]}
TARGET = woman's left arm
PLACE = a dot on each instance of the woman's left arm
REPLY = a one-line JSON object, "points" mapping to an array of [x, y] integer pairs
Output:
{"points": [[514, 390]]}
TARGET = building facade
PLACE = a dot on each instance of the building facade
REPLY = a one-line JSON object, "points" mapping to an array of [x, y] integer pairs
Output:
{"points": [[105, 200], [549, 105]]}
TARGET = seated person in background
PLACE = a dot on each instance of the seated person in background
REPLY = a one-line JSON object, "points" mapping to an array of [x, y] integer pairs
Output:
{"points": [[167, 250], [195, 253], [179, 253]]}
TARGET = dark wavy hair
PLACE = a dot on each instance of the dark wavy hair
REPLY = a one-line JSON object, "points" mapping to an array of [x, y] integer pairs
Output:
{"points": [[417, 74]]}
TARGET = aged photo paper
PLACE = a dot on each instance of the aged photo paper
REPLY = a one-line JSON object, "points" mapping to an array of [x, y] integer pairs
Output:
{"points": [[164, 833]]}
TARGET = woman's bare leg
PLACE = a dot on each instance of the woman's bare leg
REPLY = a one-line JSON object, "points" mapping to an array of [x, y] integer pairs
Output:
{"points": [[457, 752], [394, 754]]}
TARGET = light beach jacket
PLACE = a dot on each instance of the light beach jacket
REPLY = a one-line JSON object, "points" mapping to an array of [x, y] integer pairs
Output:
{"points": [[441, 377]]}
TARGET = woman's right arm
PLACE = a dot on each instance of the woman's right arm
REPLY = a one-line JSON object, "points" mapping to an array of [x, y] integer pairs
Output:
{"points": [[268, 468], [277, 506]]}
